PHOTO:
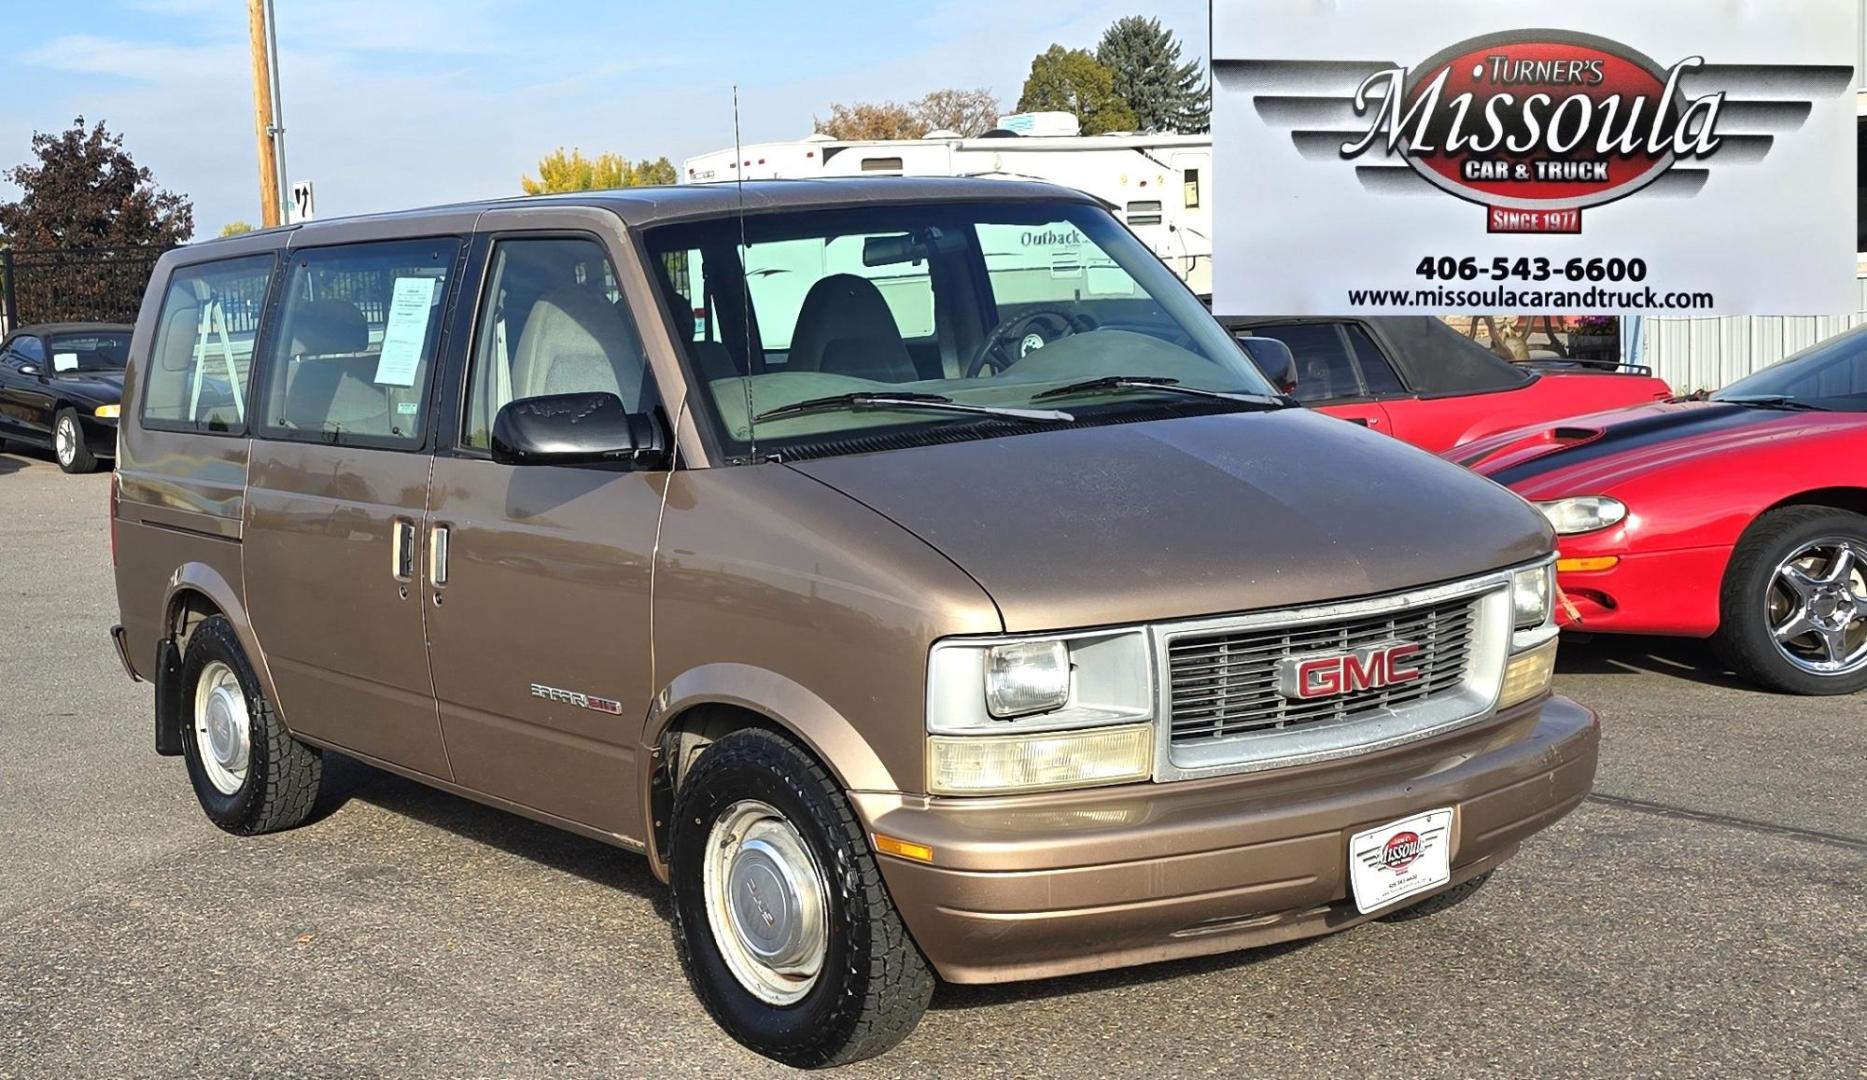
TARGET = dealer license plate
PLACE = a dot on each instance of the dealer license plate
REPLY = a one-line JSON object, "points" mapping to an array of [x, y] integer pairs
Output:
{"points": [[1409, 857]]}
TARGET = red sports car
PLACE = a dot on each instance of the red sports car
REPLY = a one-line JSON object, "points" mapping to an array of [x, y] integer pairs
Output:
{"points": [[1742, 518], [1423, 382]]}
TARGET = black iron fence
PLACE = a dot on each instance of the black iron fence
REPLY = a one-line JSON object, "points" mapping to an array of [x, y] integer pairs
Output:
{"points": [[74, 284]]}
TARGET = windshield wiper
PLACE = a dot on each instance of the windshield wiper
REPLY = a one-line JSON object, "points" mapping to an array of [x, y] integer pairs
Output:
{"points": [[1774, 401], [873, 402], [1116, 383]]}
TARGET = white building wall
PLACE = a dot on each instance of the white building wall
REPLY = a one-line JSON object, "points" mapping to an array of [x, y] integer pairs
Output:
{"points": [[1706, 354]]}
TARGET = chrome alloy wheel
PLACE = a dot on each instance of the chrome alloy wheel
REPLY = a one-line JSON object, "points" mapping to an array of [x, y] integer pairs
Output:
{"points": [[65, 440], [1818, 607], [222, 729], [765, 902]]}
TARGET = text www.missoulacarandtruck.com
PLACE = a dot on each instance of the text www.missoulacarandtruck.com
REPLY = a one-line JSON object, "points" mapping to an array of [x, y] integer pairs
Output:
{"points": [[1504, 298]]}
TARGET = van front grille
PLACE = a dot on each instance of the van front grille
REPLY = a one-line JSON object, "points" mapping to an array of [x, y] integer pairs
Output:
{"points": [[1226, 684]]}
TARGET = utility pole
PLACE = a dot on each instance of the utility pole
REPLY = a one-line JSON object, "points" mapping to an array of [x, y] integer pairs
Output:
{"points": [[278, 112], [269, 207]]}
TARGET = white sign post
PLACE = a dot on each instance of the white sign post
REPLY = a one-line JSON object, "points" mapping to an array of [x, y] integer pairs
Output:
{"points": [[304, 201], [1664, 157]]}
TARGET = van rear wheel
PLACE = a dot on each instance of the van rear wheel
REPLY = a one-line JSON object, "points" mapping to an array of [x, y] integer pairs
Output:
{"points": [[249, 774], [784, 927]]}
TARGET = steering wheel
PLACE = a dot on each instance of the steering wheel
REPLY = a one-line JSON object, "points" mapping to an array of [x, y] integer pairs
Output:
{"points": [[1021, 329]]}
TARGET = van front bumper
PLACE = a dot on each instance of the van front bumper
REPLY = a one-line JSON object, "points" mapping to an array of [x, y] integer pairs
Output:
{"points": [[1042, 886]]}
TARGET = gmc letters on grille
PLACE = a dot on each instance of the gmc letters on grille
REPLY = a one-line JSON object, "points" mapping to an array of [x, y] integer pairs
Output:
{"points": [[1305, 678]]}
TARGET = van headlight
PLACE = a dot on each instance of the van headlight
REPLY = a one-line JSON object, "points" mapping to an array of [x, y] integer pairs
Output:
{"points": [[1585, 514], [1039, 714], [1026, 677], [1532, 596], [1532, 664]]}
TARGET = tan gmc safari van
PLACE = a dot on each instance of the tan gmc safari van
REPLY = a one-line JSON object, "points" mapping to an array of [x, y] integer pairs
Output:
{"points": [[910, 569]]}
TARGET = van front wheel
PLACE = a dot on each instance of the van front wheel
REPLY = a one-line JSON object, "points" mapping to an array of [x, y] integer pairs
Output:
{"points": [[782, 921], [249, 774]]}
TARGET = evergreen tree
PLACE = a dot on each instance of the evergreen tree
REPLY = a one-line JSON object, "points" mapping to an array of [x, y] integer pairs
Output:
{"points": [[1165, 94]]}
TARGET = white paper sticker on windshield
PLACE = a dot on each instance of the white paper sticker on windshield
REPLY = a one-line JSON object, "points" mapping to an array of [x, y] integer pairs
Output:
{"points": [[404, 338], [64, 361]]}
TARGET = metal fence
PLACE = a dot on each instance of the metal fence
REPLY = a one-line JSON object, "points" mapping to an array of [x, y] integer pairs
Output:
{"points": [[73, 284]]}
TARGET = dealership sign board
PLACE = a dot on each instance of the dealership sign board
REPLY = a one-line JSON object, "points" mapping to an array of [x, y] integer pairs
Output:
{"points": [[1667, 157]]}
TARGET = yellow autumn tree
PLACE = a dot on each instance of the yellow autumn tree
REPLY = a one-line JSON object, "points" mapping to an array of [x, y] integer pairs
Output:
{"points": [[571, 171]]}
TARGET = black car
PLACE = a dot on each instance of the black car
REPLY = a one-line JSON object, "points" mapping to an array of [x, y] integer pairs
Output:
{"points": [[61, 385]]}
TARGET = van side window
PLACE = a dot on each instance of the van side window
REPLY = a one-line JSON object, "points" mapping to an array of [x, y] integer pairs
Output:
{"points": [[553, 321], [357, 336], [197, 373]]}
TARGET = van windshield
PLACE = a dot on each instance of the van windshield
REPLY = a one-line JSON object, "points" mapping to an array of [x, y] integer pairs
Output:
{"points": [[813, 328]]}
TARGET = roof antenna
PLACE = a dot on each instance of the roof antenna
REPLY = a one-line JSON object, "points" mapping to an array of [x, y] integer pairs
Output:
{"points": [[745, 281]]}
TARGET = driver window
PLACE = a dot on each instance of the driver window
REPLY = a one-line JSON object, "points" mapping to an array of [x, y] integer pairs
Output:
{"points": [[553, 321], [1325, 370]]}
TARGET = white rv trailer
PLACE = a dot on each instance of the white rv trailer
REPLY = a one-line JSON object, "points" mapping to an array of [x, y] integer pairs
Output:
{"points": [[1161, 185]]}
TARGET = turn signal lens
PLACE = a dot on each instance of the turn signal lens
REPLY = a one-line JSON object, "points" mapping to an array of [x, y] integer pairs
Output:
{"points": [[108, 412], [1001, 764], [1528, 675], [889, 845], [1587, 566]]}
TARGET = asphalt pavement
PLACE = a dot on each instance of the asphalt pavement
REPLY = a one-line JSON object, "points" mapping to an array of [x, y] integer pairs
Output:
{"points": [[1700, 916]]}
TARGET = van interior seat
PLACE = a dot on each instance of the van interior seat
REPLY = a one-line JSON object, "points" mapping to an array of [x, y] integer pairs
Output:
{"points": [[846, 328], [575, 342], [331, 378], [712, 360]]}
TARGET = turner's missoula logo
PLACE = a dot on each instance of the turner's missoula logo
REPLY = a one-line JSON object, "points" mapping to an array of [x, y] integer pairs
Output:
{"points": [[1538, 125]]}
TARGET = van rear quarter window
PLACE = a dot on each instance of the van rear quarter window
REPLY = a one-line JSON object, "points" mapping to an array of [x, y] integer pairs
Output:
{"points": [[357, 338], [203, 357]]}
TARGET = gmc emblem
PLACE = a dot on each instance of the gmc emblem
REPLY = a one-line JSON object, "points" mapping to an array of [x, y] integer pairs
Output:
{"points": [[1326, 675]]}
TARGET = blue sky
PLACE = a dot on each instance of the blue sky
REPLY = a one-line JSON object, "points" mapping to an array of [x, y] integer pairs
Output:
{"points": [[394, 103]]}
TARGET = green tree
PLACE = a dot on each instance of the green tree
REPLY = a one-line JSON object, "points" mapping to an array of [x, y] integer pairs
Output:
{"points": [[235, 228], [561, 171], [86, 193], [1074, 81], [1165, 94]]}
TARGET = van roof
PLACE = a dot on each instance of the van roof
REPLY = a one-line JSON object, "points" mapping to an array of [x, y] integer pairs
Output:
{"points": [[645, 206]]}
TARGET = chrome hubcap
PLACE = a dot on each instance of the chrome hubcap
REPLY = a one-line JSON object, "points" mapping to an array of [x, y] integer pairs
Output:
{"points": [[222, 730], [764, 894], [66, 438], [1818, 607]]}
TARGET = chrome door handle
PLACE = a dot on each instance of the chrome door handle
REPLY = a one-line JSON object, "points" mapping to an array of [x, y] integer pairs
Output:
{"points": [[437, 556], [402, 550]]}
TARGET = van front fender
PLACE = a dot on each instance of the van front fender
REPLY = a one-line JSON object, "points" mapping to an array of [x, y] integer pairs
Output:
{"points": [[781, 703]]}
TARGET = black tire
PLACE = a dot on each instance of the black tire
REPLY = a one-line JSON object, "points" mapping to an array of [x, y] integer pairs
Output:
{"points": [[874, 984], [1744, 638], [81, 459], [1439, 902], [283, 774]]}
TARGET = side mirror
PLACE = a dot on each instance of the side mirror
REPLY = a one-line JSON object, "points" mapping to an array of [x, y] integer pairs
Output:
{"points": [[576, 429], [29, 369], [1274, 359]]}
